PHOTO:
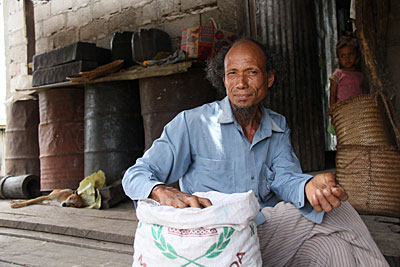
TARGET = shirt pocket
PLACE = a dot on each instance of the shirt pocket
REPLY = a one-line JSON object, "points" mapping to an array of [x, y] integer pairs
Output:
{"points": [[264, 187], [212, 175]]}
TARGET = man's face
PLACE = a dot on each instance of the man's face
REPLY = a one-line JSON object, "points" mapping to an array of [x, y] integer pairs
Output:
{"points": [[246, 80]]}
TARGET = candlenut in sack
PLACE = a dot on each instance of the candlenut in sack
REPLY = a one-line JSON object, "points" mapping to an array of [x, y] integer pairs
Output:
{"points": [[223, 234]]}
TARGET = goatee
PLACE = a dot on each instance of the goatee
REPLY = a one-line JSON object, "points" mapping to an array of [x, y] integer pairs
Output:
{"points": [[243, 115]]}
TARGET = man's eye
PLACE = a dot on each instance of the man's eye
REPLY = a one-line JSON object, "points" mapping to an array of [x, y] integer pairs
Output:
{"points": [[231, 73], [253, 72]]}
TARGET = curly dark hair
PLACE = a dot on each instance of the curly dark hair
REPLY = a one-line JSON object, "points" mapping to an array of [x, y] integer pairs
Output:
{"points": [[215, 66]]}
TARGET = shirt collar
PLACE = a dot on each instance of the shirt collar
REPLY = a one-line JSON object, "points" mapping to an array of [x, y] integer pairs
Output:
{"points": [[225, 114], [267, 124]]}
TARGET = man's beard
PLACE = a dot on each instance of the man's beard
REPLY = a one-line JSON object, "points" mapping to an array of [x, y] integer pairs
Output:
{"points": [[243, 115]]}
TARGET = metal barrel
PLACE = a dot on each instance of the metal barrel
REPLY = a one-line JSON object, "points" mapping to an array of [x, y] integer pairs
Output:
{"points": [[22, 186], [163, 97], [114, 136], [61, 133], [21, 138]]}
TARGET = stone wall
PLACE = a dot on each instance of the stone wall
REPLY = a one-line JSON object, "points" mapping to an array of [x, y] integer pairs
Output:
{"points": [[62, 22], [15, 46]]}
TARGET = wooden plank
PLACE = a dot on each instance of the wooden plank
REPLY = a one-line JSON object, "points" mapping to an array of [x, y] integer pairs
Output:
{"points": [[143, 72]]}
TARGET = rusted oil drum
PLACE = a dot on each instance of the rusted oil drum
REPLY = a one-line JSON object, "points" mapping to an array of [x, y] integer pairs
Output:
{"points": [[163, 97], [61, 136], [114, 136], [21, 138]]}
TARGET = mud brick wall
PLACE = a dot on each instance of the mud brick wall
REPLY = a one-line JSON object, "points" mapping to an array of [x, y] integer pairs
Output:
{"points": [[62, 22]]}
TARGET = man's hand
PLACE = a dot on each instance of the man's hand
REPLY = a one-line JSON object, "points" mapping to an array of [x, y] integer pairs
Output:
{"points": [[324, 193], [170, 196]]}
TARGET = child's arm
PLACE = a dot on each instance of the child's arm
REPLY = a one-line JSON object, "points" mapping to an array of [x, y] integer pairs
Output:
{"points": [[332, 92]]}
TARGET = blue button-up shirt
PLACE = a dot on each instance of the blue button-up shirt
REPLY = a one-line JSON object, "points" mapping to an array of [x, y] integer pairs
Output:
{"points": [[205, 149]]}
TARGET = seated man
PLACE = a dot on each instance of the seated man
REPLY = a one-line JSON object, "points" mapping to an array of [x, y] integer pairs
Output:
{"points": [[236, 145]]}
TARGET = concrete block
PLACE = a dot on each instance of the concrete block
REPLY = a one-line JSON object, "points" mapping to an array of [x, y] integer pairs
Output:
{"points": [[126, 3], [13, 83], [195, 4], [16, 37], [174, 28], [97, 10], [80, 18], [66, 37], [39, 29], [17, 53], [111, 6], [151, 11], [140, 3], [228, 16], [54, 24], [13, 6], [169, 7], [104, 8], [22, 67], [61, 6], [42, 11], [15, 21], [221, 19], [13, 69], [121, 20], [80, 4], [42, 45], [93, 30]]}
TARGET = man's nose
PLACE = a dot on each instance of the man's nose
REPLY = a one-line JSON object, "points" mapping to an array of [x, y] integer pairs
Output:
{"points": [[242, 81]]}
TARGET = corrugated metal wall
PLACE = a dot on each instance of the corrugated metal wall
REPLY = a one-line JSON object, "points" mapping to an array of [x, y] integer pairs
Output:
{"points": [[289, 28], [327, 39]]}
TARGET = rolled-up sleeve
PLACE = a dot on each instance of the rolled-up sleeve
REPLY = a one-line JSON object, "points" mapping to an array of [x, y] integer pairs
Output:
{"points": [[289, 181]]}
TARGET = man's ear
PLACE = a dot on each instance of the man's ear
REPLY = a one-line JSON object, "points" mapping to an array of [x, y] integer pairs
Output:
{"points": [[271, 77]]}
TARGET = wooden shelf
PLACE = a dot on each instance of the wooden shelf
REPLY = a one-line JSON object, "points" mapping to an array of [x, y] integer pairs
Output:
{"points": [[137, 73]]}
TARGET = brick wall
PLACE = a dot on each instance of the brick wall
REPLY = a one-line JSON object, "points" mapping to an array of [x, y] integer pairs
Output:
{"points": [[62, 22]]}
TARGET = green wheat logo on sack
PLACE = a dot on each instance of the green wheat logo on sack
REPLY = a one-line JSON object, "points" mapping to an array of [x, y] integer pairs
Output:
{"points": [[168, 250]]}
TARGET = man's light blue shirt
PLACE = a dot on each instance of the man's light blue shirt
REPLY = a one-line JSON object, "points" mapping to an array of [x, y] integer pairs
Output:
{"points": [[206, 150]]}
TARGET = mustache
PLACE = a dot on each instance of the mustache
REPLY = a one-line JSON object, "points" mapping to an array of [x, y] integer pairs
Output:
{"points": [[241, 91]]}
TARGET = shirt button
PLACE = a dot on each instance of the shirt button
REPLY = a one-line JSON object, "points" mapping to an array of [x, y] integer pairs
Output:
{"points": [[252, 178]]}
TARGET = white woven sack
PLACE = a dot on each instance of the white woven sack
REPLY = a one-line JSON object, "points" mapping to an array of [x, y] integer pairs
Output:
{"points": [[223, 234]]}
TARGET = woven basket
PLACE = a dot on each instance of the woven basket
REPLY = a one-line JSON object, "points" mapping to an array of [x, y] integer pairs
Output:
{"points": [[361, 120], [371, 177]]}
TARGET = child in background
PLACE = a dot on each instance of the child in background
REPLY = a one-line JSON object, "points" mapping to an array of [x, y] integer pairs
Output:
{"points": [[346, 81]]}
